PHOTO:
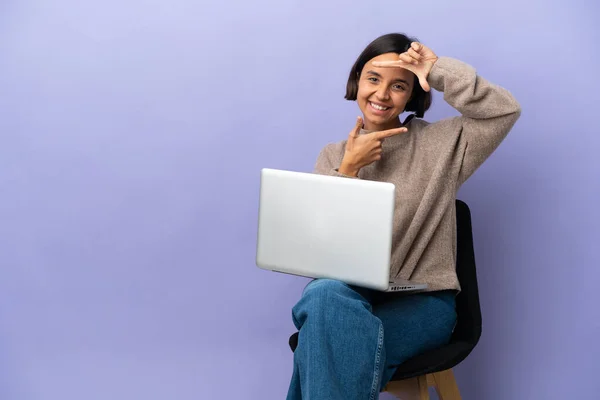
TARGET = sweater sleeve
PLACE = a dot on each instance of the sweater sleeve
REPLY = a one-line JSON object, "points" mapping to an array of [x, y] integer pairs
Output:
{"points": [[328, 162], [488, 111]]}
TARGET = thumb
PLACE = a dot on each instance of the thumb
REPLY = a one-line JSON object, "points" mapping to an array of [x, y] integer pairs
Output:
{"points": [[423, 82], [354, 132]]}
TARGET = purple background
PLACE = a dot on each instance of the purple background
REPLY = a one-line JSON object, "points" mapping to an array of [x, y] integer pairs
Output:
{"points": [[132, 136]]}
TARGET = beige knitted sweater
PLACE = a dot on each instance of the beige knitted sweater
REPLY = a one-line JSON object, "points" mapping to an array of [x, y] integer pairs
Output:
{"points": [[429, 163]]}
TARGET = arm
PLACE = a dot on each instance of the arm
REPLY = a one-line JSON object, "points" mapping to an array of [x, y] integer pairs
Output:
{"points": [[488, 111]]}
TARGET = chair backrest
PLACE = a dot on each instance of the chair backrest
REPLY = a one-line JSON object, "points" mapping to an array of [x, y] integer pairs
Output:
{"points": [[468, 326]]}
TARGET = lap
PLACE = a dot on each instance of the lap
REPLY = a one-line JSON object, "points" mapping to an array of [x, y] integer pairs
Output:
{"points": [[412, 323], [324, 287]]}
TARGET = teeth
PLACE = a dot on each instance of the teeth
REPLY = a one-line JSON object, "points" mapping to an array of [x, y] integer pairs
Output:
{"points": [[377, 107]]}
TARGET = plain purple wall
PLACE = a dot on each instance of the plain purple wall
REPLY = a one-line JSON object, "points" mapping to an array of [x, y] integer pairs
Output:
{"points": [[132, 136]]}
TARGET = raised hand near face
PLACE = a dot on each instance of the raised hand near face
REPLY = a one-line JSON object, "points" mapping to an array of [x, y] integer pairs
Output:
{"points": [[418, 59]]}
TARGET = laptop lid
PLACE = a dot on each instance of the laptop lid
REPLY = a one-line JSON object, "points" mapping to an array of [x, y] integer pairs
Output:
{"points": [[325, 227]]}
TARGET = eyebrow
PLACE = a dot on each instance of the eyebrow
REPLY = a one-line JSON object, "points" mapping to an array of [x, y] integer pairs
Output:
{"points": [[395, 80]]}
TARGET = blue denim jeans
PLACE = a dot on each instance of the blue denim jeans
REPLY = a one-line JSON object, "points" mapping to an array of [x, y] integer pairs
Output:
{"points": [[351, 339]]}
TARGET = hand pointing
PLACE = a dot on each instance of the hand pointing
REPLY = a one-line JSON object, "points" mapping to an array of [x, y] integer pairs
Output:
{"points": [[362, 150]]}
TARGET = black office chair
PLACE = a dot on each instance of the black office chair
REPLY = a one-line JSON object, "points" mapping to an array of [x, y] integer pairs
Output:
{"points": [[434, 368]]}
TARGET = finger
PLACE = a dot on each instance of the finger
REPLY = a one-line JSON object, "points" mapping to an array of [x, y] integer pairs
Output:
{"points": [[424, 84], [407, 58], [411, 52], [416, 46], [388, 64], [391, 132], [359, 125], [354, 132]]}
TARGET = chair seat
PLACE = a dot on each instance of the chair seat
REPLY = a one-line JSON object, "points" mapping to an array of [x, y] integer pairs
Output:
{"points": [[436, 360]]}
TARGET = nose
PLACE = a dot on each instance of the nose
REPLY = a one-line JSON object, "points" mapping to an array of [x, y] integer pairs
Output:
{"points": [[382, 93]]}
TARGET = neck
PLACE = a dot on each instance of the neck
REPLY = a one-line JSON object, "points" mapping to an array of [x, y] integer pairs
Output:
{"points": [[370, 126]]}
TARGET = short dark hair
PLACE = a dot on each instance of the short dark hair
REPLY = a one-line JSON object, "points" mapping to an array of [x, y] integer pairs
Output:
{"points": [[420, 100]]}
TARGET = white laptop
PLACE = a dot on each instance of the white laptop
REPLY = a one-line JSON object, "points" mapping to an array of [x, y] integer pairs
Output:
{"points": [[321, 226]]}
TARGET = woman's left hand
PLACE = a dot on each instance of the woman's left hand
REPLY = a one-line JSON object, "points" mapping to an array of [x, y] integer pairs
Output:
{"points": [[418, 59]]}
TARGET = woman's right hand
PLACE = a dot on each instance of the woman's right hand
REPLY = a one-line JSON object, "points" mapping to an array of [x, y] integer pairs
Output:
{"points": [[362, 150]]}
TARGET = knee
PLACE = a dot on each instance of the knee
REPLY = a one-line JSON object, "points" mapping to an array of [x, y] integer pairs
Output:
{"points": [[322, 288], [324, 299], [327, 293], [319, 301]]}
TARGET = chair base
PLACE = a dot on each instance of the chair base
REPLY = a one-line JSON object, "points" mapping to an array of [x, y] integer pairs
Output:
{"points": [[418, 388]]}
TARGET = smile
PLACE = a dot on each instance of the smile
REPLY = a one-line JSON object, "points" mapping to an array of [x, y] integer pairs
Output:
{"points": [[378, 107]]}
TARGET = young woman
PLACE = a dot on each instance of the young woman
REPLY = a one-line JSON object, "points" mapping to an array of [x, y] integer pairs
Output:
{"points": [[352, 339]]}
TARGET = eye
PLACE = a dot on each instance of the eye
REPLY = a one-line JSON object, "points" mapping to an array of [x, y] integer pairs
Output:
{"points": [[372, 79], [399, 87]]}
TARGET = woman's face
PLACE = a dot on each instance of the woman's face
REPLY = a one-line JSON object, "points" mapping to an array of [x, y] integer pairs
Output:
{"points": [[383, 93]]}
